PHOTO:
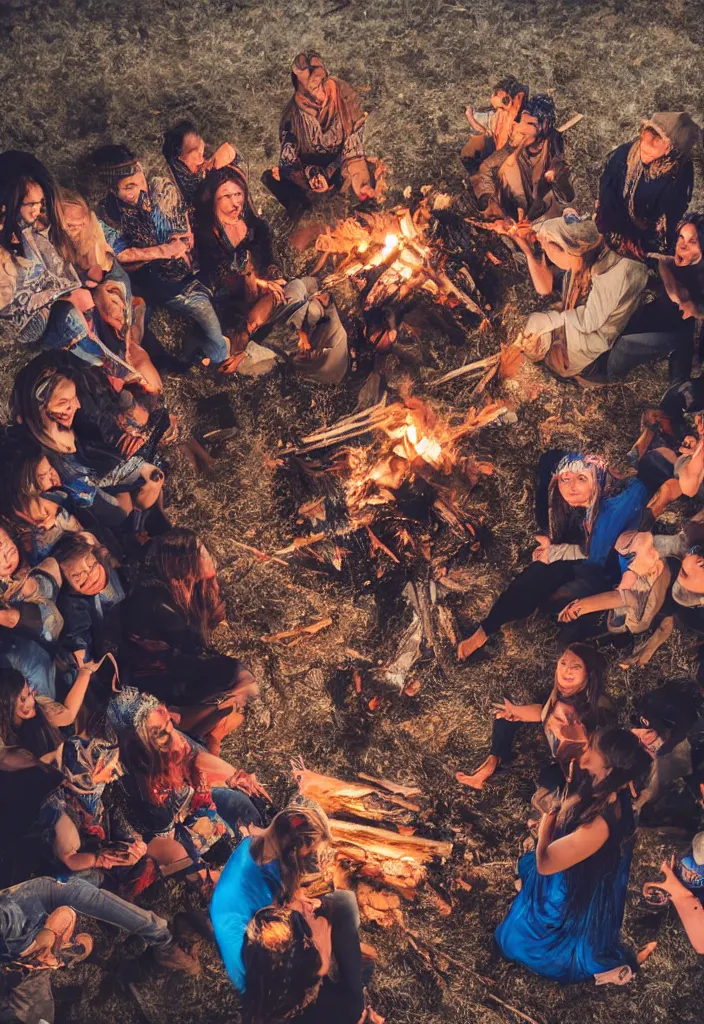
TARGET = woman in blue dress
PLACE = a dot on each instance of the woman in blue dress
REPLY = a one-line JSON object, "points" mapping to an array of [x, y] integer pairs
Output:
{"points": [[565, 922]]}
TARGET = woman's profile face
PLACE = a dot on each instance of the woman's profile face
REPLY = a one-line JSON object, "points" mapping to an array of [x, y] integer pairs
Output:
{"points": [[594, 762], [192, 151], [207, 564], [45, 476], [557, 255], [570, 674], [25, 705], [576, 488], [9, 555]]}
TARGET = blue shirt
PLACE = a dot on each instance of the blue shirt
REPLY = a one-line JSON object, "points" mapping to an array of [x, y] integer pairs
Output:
{"points": [[617, 514], [244, 887]]}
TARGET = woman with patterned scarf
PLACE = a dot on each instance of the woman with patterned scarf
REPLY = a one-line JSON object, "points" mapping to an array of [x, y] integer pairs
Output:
{"points": [[600, 290], [82, 829], [647, 184], [581, 513], [321, 135], [180, 798]]}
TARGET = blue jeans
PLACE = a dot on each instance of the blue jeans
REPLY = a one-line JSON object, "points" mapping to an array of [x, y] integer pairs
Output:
{"points": [[195, 304], [631, 350], [235, 807], [29, 658], [25, 908]]}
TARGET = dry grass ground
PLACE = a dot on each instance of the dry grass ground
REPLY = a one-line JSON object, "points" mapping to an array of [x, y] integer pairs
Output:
{"points": [[76, 73]]}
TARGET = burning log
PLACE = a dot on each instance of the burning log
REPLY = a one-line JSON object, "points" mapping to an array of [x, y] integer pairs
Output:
{"points": [[381, 844], [391, 256], [336, 796]]}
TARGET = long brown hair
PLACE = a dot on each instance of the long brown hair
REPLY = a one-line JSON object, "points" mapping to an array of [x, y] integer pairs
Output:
{"points": [[294, 830], [175, 559], [160, 772], [586, 702]]}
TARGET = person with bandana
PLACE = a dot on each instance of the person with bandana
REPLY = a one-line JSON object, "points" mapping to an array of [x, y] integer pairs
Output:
{"points": [[647, 184], [583, 511], [322, 133], [528, 178], [146, 225]]}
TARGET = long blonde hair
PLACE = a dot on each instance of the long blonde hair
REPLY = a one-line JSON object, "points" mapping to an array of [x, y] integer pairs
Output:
{"points": [[87, 247]]}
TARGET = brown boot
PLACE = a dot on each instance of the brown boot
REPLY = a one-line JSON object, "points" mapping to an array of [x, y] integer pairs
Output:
{"points": [[174, 958]]}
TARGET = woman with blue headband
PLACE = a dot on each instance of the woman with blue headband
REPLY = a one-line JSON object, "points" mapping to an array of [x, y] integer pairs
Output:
{"points": [[582, 513]]}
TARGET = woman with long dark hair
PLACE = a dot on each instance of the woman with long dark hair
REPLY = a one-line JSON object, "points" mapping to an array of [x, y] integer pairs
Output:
{"points": [[287, 955], [177, 796], [168, 621], [33, 273], [33, 722], [565, 922], [235, 251], [569, 716], [581, 510]]}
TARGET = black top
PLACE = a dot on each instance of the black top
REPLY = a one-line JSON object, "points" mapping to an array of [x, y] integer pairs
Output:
{"points": [[659, 205], [221, 261], [22, 793]]}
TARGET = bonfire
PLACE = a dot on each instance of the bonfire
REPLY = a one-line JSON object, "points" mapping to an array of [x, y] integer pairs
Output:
{"points": [[391, 257]]}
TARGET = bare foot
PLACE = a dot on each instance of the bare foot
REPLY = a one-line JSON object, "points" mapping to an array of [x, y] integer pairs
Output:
{"points": [[484, 772], [643, 954], [616, 976], [467, 647]]}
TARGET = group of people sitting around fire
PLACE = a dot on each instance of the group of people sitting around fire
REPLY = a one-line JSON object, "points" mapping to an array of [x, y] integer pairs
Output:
{"points": [[114, 700]]}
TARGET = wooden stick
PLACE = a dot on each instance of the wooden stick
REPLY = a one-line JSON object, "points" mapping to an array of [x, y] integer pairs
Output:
{"points": [[571, 123], [301, 542], [377, 545], [314, 627], [260, 554], [479, 365], [513, 1009], [393, 787]]}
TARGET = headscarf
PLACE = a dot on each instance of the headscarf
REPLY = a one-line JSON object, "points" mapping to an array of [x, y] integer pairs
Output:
{"points": [[129, 709], [682, 133], [596, 468], [81, 758], [578, 236], [111, 174], [340, 100]]}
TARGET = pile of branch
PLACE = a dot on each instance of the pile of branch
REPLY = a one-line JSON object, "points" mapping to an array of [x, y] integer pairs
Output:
{"points": [[398, 859]]}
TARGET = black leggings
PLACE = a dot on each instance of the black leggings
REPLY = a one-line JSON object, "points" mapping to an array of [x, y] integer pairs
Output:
{"points": [[503, 736], [537, 587]]}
